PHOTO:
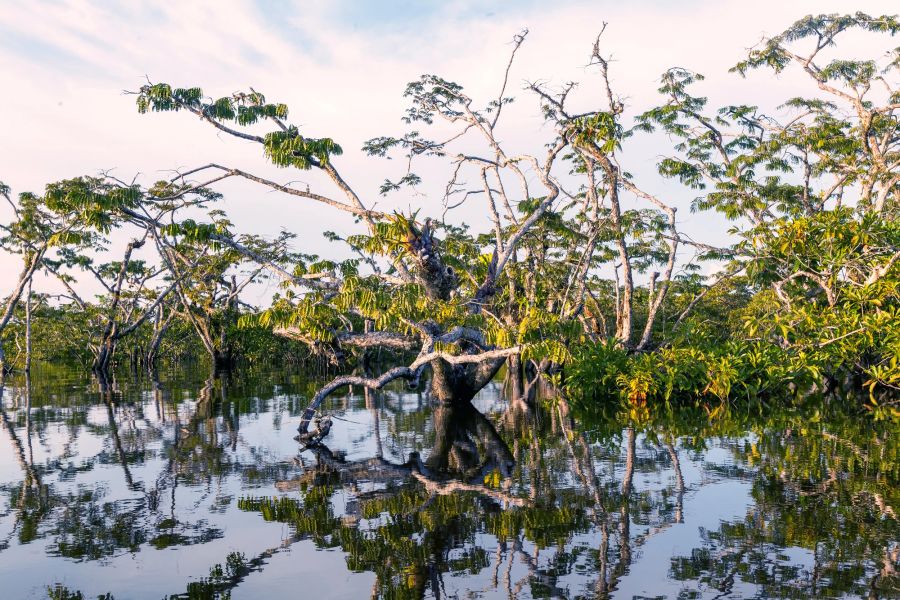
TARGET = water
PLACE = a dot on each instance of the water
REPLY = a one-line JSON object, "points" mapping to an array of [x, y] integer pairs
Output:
{"points": [[186, 488]]}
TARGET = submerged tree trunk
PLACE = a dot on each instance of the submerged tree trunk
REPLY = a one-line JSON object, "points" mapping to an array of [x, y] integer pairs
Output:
{"points": [[515, 386], [222, 360], [458, 384], [103, 354], [455, 380], [106, 347]]}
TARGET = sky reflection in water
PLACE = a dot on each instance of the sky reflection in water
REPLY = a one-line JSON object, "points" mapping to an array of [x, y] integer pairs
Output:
{"points": [[192, 489]]}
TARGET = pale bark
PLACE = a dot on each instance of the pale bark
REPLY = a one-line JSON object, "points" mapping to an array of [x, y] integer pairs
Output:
{"points": [[32, 262]]}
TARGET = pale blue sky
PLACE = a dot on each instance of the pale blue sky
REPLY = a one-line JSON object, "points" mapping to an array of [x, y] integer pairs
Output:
{"points": [[341, 66]]}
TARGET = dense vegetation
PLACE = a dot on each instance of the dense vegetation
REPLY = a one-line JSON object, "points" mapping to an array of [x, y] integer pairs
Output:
{"points": [[578, 274]]}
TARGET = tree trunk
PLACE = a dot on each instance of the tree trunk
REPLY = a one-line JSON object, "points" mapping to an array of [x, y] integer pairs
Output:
{"points": [[466, 444], [222, 360], [515, 386], [458, 384], [103, 357], [13, 299], [28, 330], [613, 179], [109, 336], [623, 325]]}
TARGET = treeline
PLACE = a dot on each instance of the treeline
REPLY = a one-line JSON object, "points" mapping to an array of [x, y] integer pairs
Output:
{"points": [[577, 272], [62, 336]]}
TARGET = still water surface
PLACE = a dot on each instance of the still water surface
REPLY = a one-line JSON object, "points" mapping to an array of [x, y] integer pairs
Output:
{"points": [[191, 488]]}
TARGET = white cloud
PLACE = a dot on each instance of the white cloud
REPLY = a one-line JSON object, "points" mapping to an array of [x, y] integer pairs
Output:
{"points": [[342, 68]]}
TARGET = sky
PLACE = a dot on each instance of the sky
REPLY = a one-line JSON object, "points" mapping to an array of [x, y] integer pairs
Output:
{"points": [[341, 66]]}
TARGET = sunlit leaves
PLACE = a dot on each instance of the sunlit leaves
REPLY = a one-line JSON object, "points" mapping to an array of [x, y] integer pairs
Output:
{"points": [[192, 232], [432, 96], [290, 149], [822, 28], [241, 108], [95, 202], [601, 129]]}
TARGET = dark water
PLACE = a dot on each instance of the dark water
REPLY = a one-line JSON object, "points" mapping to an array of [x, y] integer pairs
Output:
{"points": [[184, 488]]}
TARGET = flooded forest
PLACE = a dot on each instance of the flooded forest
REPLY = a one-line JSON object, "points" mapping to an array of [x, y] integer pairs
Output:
{"points": [[529, 362]]}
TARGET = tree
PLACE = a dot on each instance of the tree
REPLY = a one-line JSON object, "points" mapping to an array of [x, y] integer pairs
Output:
{"points": [[573, 250], [815, 197], [208, 288], [467, 302], [70, 213]]}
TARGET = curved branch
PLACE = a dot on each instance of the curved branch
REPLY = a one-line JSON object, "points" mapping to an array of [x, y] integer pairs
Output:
{"points": [[339, 382], [358, 209], [411, 373], [444, 488]]}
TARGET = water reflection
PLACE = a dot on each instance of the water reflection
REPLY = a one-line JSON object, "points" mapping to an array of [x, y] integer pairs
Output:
{"points": [[180, 488]]}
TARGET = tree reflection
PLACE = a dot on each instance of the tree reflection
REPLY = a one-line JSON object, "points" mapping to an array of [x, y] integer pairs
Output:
{"points": [[30, 501], [826, 486], [527, 498], [82, 520]]}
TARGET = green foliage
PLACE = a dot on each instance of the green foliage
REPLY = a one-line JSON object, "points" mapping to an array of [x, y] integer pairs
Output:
{"points": [[809, 298], [221, 579], [823, 29], [61, 592], [818, 307], [290, 149], [192, 232], [284, 147], [698, 376], [241, 108], [601, 128], [93, 201]]}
